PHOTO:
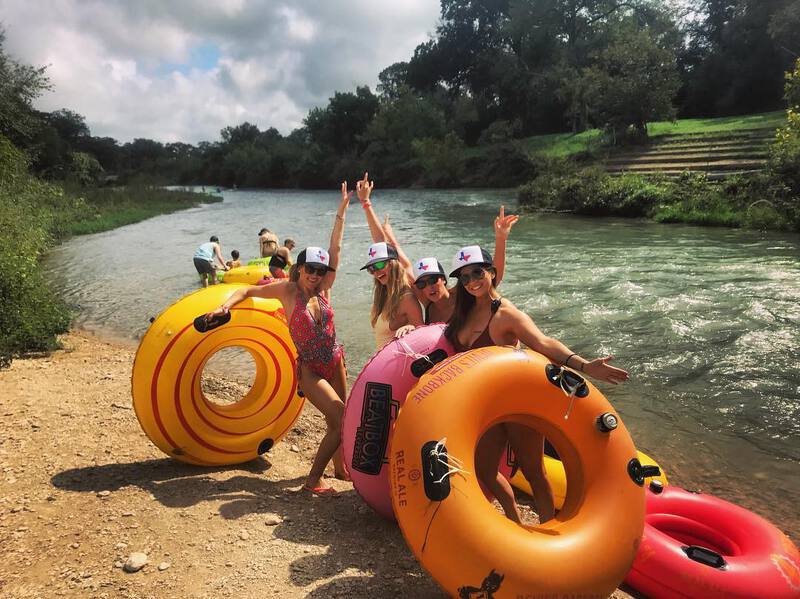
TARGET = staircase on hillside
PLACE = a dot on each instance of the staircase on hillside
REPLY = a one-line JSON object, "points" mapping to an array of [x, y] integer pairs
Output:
{"points": [[719, 155]]}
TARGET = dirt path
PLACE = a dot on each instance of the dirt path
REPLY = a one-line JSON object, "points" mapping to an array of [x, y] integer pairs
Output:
{"points": [[82, 488]]}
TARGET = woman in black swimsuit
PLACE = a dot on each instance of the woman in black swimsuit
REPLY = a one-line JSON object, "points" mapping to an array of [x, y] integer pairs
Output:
{"points": [[482, 318]]}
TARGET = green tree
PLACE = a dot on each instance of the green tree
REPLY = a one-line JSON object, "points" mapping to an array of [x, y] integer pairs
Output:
{"points": [[246, 133], [340, 124], [633, 82], [442, 160], [20, 85]]}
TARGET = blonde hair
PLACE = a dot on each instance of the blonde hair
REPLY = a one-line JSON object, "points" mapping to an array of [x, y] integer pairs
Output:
{"points": [[386, 298]]}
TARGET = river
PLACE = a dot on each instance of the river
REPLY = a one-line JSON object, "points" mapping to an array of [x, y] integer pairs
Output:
{"points": [[707, 321]]}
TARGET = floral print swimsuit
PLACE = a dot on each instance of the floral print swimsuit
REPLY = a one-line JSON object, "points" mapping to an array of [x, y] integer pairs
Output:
{"points": [[316, 343]]}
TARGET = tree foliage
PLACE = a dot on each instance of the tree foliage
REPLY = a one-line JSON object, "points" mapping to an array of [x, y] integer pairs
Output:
{"points": [[20, 85]]}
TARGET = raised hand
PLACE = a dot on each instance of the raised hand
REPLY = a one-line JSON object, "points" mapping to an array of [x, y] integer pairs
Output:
{"points": [[503, 223], [363, 189], [600, 368], [346, 195]]}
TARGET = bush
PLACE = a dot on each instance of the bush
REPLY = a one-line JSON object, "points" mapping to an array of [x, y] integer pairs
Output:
{"points": [[762, 201], [35, 215], [30, 314]]}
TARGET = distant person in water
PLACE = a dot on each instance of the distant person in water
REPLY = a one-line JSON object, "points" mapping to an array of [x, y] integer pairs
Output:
{"points": [[204, 261], [281, 260], [267, 243], [234, 262]]}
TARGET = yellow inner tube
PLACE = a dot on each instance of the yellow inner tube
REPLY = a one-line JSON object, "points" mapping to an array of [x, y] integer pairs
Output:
{"points": [[167, 396], [248, 275], [554, 470]]}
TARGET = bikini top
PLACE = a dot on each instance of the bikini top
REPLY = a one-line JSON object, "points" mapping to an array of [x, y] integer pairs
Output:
{"points": [[277, 261], [484, 339]]}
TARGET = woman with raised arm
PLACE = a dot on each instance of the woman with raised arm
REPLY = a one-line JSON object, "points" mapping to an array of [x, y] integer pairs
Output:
{"points": [[320, 358], [428, 277], [482, 318], [395, 309]]}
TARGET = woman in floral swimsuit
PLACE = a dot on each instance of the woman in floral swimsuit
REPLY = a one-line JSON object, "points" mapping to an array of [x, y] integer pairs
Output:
{"points": [[306, 299]]}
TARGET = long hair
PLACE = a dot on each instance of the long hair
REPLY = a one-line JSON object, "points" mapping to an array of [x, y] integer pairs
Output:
{"points": [[465, 302], [386, 298], [294, 272]]}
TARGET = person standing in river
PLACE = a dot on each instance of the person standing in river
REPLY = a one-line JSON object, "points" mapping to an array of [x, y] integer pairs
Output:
{"points": [[204, 261], [320, 357], [267, 243]]}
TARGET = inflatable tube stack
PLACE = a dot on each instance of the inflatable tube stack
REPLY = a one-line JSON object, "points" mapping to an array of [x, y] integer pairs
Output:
{"points": [[167, 394]]}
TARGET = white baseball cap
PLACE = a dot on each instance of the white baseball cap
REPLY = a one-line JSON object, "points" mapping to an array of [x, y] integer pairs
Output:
{"points": [[427, 266], [314, 256], [379, 252], [471, 254]]}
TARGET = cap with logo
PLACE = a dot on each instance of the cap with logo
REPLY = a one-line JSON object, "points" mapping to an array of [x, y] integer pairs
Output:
{"points": [[315, 256], [427, 266], [379, 252], [471, 254]]}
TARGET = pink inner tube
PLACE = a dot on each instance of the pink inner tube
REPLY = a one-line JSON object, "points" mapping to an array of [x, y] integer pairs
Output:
{"points": [[699, 546], [371, 410]]}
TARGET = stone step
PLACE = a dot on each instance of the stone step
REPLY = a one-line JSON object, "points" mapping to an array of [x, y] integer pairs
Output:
{"points": [[746, 135], [685, 157], [718, 165], [673, 174], [699, 145]]}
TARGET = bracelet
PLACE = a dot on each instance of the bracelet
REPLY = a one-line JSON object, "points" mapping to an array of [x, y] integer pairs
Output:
{"points": [[566, 362]]}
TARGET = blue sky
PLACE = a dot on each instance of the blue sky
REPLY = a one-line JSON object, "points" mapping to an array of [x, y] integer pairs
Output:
{"points": [[182, 70], [203, 57]]}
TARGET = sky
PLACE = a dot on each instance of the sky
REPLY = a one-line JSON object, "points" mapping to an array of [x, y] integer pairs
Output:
{"points": [[181, 70]]}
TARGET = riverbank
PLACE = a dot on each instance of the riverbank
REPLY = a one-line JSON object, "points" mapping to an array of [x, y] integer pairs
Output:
{"points": [[82, 488], [36, 215]]}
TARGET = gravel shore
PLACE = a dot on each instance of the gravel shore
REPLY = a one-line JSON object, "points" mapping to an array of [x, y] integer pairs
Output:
{"points": [[90, 508]]}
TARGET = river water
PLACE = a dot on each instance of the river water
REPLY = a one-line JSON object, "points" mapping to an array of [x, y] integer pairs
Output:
{"points": [[707, 321]]}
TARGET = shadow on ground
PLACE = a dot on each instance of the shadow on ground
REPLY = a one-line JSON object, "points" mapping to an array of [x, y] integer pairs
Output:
{"points": [[346, 533]]}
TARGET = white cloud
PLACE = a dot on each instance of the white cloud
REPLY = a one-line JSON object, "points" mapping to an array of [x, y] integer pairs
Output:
{"points": [[109, 60]]}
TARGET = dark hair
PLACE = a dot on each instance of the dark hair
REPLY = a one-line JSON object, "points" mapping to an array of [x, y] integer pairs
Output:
{"points": [[235, 254], [264, 230], [294, 273], [214, 239], [465, 302]]}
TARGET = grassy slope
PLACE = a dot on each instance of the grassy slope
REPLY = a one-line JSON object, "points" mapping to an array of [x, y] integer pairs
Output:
{"points": [[560, 145]]}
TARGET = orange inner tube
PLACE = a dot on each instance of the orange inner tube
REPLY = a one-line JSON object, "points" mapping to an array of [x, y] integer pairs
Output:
{"points": [[458, 536]]}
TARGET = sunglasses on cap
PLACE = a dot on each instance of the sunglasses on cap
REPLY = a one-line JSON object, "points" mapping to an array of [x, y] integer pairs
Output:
{"points": [[423, 282], [315, 270], [377, 266], [476, 274]]}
